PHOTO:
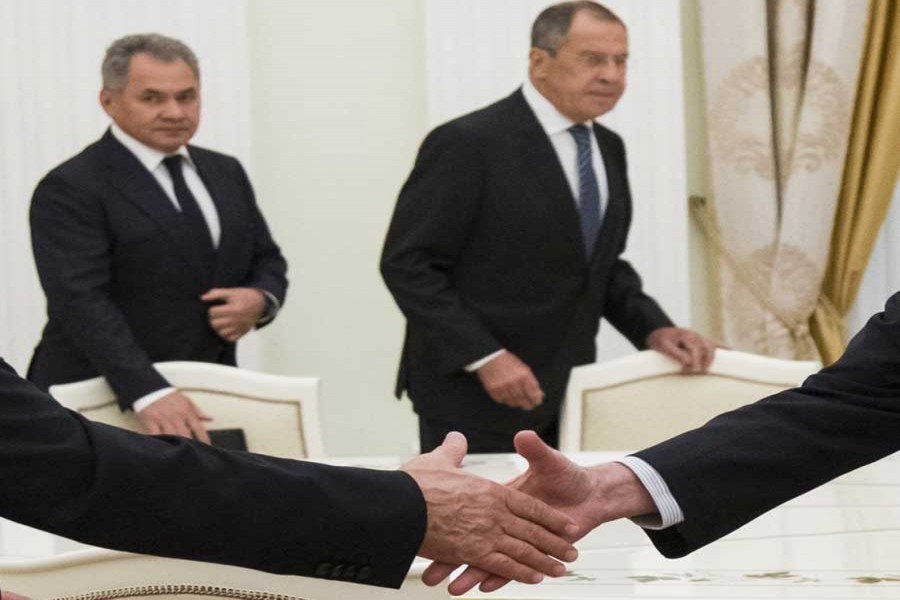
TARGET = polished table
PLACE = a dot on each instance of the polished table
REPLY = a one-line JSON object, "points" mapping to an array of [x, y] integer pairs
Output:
{"points": [[841, 540]]}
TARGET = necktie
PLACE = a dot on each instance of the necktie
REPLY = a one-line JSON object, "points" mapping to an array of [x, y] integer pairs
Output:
{"points": [[588, 191], [191, 215]]}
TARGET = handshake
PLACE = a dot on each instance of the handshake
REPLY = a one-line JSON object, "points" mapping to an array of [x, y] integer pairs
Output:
{"points": [[520, 531]]}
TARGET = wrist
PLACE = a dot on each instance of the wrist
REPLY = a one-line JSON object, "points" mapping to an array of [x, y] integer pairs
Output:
{"points": [[268, 306], [619, 493]]}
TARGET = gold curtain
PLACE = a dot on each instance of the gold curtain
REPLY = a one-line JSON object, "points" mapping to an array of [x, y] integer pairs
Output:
{"points": [[870, 174]]}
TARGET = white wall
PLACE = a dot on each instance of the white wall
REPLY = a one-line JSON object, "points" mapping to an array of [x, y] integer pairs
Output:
{"points": [[338, 93]]}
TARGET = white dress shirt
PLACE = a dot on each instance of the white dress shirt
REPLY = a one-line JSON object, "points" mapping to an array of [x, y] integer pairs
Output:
{"points": [[666, 505], [152, 161]]}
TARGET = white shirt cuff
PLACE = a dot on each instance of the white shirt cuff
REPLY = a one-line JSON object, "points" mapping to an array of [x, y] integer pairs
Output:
{"points": [[145, 401], [472, 367], [669, 512]]}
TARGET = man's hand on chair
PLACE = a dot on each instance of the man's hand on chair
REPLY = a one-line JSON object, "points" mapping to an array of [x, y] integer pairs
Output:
{"points": [[175, 414], [692, 350]]}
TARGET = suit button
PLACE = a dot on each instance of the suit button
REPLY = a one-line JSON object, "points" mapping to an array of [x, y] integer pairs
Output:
{"points": [[323, 570], [363, 573], [350, 572], [337, 571]]}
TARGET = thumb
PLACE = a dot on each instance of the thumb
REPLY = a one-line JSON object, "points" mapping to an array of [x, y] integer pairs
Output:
{"points": [[540, 456], [453, 450]]}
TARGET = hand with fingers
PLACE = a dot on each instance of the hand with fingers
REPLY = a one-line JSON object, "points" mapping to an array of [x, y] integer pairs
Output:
{"points": [[590, 496], [692, 350], [175, 414], [494, 528], [234, 311], [508, 380], [4, 595]]}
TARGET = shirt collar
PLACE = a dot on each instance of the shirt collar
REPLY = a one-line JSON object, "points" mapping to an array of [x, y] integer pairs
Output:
{"points": [[552, 121], [147, 156]]}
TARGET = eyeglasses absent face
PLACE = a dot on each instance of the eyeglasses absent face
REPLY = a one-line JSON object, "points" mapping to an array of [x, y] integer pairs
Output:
{"points": [[160, 104], [585, 77]]}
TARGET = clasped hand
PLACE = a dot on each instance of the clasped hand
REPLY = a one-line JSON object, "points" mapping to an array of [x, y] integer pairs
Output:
{"points": [[589, 496], [494, 528]]}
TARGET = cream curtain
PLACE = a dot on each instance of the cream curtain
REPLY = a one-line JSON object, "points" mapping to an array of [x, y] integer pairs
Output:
{"points": [[781, 77], [870, 174]]}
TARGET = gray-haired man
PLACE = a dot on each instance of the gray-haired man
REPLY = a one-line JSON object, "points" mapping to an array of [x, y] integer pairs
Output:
{"points": [[149, 249]]}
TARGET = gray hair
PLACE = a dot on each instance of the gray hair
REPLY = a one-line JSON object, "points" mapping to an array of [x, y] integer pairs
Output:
{"points": [[118, 56], [552, 26]]}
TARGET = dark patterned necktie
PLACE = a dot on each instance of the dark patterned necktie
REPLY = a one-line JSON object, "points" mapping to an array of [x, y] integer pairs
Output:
{"points": [[588, 191], [191, 214]]}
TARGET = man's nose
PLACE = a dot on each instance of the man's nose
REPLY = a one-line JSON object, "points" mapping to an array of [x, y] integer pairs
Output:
{"points": [[172, 109], [610, 71]]}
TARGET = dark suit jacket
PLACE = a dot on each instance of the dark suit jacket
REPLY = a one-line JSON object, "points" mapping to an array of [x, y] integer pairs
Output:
{"points": [[746, 462], [122, 279], [173, 497], [484, 252]]}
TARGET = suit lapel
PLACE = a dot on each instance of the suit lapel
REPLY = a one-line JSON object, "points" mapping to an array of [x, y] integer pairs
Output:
{"points": [[140, 187], [542, 161], [227, 206], [615, 203]]}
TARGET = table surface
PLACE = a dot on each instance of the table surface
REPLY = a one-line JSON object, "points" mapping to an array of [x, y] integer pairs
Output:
{"points": [[841, 540]]}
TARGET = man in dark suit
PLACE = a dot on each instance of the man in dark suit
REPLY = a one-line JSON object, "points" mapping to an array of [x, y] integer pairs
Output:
{"points": [[149, 249], [175, 497], [703, 484], [505, 246]]}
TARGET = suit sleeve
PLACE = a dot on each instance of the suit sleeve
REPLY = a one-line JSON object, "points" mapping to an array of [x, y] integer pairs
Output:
{"points": [[631, 311], [268, 269], [178, 498], [748, 461], [73, 254], [432, 220]]}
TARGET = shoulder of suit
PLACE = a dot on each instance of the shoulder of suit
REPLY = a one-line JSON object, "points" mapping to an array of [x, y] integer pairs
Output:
{"points": [[491, 120], [82, 166]]}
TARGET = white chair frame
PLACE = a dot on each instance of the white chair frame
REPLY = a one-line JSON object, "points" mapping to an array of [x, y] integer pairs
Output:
{"points": [[729, 364], [96, 400]]}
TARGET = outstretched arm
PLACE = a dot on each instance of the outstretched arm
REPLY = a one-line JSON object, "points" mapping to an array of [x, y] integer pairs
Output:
{"points": [[87, 481]]}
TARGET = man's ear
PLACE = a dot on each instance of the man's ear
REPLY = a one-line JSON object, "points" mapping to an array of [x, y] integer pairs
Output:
{"points": [[106, 101], [537, 58], [538, 63]]}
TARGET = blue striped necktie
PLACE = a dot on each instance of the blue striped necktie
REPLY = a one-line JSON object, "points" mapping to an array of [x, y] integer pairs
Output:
{"points": [[588, 191]]}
